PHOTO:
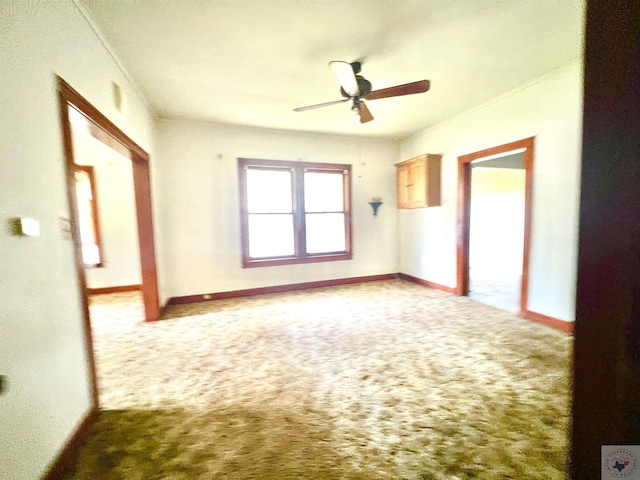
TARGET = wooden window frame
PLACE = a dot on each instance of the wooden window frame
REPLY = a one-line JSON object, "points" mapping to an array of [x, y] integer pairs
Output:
{"points": [[89, 170], [298, 209]]}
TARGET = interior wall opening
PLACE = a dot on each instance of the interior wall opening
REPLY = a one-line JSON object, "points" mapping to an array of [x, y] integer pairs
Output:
{"points": [[496, 230], [107, 217], [100, 127], [495, 210]]}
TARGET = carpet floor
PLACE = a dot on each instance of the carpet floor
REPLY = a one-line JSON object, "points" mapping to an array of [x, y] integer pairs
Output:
{"points": [[380, 380]]}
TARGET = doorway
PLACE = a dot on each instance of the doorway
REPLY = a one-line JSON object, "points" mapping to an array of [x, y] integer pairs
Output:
{"points": [[494, 224], [496, 231], [105, 131], [106, 211]]}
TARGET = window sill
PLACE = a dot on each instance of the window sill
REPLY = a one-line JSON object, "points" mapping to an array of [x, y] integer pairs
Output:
{"points": [[271, 262]]}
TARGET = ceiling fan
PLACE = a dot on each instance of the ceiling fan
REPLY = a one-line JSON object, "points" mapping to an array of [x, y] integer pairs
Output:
{"points": [[356, 88]]}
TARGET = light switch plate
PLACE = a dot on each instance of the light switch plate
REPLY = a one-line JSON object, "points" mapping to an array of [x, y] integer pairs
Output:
{"points": [[26, 227], [30, 227]]}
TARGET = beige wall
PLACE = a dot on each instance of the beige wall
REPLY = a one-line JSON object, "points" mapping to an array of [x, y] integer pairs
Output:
{"points": [[42, 349], [550, 110], [198, 199], [496, 181]]}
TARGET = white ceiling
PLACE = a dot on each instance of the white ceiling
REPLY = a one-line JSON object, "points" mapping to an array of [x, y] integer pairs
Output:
{"points": [[250, 62]]}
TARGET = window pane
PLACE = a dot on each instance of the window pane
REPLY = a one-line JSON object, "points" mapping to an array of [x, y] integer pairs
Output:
{"points": [[90, 254], [325, 233], [83, 185], [323, 192], [269, 191], [271, 235], [86, 216]]}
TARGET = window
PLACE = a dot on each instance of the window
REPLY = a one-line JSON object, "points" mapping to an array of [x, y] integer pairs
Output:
{"points": [[294, 212], [88, 216]]}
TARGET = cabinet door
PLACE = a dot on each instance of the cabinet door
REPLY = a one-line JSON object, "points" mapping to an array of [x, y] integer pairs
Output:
{"points": [[418, 182], [403, 186]]}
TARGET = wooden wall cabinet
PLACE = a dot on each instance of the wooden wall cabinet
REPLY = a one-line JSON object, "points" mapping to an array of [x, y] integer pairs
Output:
{"points": [[418, 181]]}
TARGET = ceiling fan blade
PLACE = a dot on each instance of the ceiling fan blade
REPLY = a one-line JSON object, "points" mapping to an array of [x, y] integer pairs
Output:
{"points": [[346, 77], [399, 90], [365, 114], [319, 105]]}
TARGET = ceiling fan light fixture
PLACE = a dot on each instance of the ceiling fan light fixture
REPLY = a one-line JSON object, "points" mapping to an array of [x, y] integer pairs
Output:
{"points": [[346, 77], [355, 111]]}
